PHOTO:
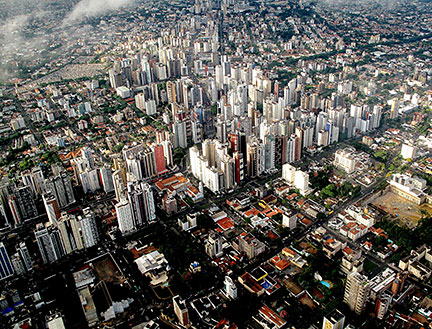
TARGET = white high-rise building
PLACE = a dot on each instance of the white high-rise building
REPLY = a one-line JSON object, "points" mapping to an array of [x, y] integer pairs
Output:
{"points": [[180, 136], [88, 227], [150, 107], [301, 181], [230, 288], [357, 290], [87, 155], [124, 216], [289, 220], [213, 246], [22, 250], [288, 173], [345, 159], [90, 180]]}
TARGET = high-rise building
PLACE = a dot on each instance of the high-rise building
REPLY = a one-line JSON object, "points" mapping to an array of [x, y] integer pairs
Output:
{"points": [[124, 216], [22, 205], [239, 167], [168, 153], [38, 179], [51, 207], [357, 290], [408, 151], [346, 159], [169, 205], [119, 185], [250, 246], [213, 246], [159, 158], [383, 303], [141, 200], [230, 288], [105, 175], [90, 180], [255, 159], [28, 180], [88, 228], [394, 111], [61, 186], [87, 156], [181, 311], [6, 268], [334, 320], [398, 283], [17, 264], [179, 134], [25, 256], [69, 232], [49, 242]]}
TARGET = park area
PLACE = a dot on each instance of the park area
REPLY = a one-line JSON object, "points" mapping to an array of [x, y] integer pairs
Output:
{"points": [[407, 212]]}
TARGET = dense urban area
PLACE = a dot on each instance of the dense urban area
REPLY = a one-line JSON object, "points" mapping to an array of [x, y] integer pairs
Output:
{"points": [[216, 164]]}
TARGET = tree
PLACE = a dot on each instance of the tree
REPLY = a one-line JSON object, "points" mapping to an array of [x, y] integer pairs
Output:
{"points": [[117, 148]]}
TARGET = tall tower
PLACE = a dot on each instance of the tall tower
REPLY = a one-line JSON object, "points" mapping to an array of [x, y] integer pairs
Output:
{"points": [[141, 201], [51, 207], [334, 320], [6, 268], [181, 311], [356, 292], [22, 205], [25, 256], [69, 232], [394, 109], [124, 216], [106, 178], [49, 242], [230, 288], [88, 228]]}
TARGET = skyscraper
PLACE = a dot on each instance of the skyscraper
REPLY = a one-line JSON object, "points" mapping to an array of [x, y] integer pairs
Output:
{"points": [[159, 158], [87, 156], [394, 111], [24, 254], [69, 232], [105, 175], [49, 242], [213, 246], [179, 132], [230, 288], [51, 207], [356, 292], [22, 205], [334, 320], [88, 227], [141, 201], [124, 216], [6, 268], [181, 311], [61, 186]]}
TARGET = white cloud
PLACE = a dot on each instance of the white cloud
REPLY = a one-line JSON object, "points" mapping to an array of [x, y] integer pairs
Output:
{"points": [[92, 8]]}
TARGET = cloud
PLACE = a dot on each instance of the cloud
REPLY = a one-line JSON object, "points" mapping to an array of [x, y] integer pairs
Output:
{"points": [[93, 8]]}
